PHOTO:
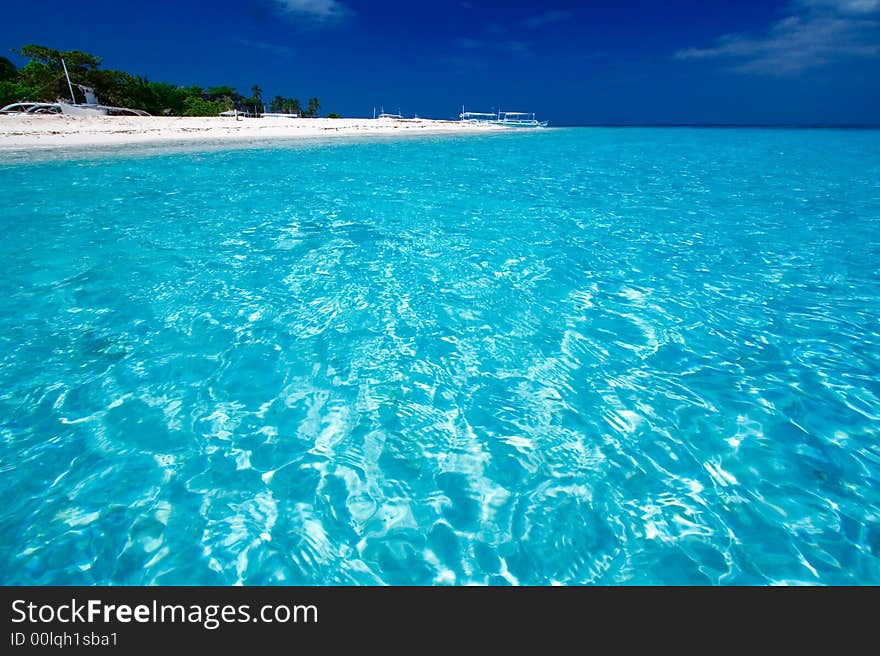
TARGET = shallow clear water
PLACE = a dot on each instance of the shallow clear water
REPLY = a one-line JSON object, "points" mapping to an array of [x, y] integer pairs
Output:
{"points": [[574, 356]]}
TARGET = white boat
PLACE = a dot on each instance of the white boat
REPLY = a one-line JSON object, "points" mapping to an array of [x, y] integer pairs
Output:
{"points": [[477, 117], [387, 116], [520, 120], [91, 106], [69, 109], [266, 114], [235, 113], [506, 119]]}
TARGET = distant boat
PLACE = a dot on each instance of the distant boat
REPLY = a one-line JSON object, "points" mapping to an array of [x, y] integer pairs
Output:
{"points": [[478, 117], [237, 112], [266, 114], [506, 119], [384, 115], [520, 120]]}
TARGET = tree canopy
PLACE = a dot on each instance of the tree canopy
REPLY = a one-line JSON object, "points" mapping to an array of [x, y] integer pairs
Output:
{"points": [[42, 80], [73, 58], [285, 105], [7, 70]]}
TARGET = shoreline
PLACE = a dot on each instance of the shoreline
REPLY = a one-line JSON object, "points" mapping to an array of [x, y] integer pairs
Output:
{"points": [[50, 132]]}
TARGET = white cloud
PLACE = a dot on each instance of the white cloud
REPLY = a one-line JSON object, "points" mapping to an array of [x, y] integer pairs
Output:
{"points": [[853, 7], [321, 9], [815, 33]]}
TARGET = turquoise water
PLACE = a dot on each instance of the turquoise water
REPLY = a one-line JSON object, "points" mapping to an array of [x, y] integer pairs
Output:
{"points": [[573, 356]]}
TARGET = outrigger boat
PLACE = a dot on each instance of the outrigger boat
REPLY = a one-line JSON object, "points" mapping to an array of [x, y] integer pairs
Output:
{"points": [[477, 117], [387, 115], [90, 107], [506, 119], [520, 120]]}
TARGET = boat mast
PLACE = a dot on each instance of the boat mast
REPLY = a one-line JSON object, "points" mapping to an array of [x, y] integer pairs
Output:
{"points": [[69, 85]]}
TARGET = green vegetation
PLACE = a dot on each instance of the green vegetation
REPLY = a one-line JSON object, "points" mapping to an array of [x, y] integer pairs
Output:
{"points": [[333, 115], [42, 80], [194, 106], [256, 98], [287, 105], [7, 70]]}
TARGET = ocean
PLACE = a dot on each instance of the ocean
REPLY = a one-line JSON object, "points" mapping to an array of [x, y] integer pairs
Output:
{"points": [[572, 356]]}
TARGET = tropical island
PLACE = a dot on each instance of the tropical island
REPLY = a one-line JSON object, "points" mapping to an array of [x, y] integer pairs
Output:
{"points": [[165, 111], [42, 79]]}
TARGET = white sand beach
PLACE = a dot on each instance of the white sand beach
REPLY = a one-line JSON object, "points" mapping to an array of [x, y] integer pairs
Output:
{"points": [[53, 131]]}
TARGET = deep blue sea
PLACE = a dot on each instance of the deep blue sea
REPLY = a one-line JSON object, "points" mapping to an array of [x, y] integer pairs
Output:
{"points": [[573, 356]]}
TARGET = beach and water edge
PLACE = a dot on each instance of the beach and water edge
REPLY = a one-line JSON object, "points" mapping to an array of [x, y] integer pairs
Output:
{"points": [[35, 133]]}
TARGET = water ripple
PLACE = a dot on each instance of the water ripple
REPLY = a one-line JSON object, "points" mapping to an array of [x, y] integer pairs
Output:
{"points": [[581, 356]]}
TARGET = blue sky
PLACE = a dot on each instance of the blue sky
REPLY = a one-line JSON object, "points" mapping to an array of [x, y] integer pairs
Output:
{"points": [[627, 61]]}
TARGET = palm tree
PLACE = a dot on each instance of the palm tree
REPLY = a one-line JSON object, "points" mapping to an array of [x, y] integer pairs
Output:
{"points": [[314, 107], [255, 102], [292, 106]]}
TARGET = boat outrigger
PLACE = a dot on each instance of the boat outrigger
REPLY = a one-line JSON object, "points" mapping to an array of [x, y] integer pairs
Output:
{"points": [[31, 108]]}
